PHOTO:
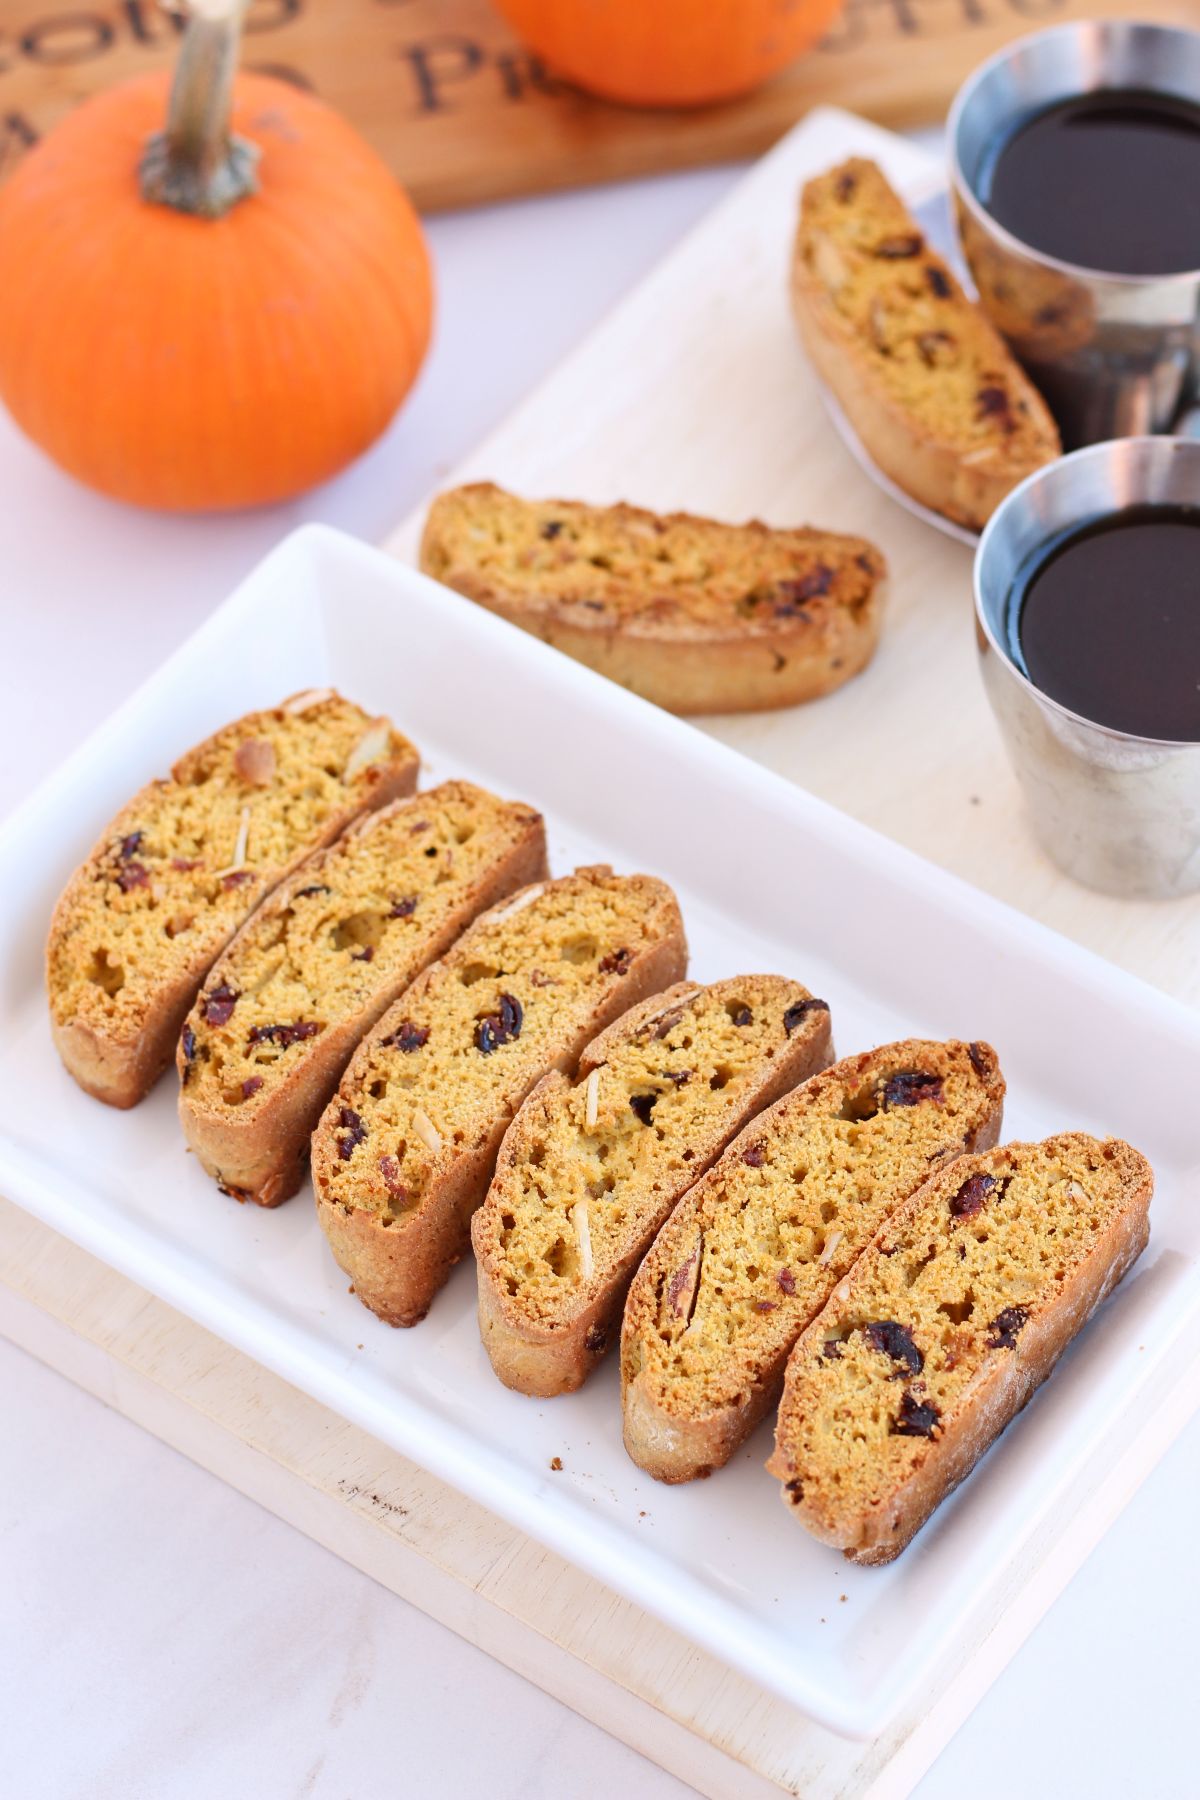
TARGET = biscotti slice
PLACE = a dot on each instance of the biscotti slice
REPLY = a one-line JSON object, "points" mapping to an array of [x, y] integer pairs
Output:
{"points": [[943, 1329], [313, 969], [697, 616], [589, 1170], [408, 1144], [753, 1252], [140, 923], [931, 388]]}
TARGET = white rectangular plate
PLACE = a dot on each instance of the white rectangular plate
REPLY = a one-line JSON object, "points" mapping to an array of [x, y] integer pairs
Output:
{"points": [[769, 879]]}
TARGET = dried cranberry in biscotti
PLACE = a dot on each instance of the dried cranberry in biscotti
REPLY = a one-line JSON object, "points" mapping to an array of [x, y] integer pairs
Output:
{"points": [[912, 1089], [917, 1418], [218, 1004], [501, 1026]]}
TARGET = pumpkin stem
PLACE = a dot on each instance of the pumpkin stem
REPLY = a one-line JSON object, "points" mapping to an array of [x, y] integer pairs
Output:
{"points": [[196, 165]]}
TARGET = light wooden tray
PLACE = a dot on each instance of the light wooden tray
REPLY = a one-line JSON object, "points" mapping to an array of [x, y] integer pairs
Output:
{"points": [[525, 1606], [463, 114]]}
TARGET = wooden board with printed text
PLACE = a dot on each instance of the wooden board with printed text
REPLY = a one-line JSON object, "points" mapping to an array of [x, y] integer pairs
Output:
{"points": [[464, 115]]}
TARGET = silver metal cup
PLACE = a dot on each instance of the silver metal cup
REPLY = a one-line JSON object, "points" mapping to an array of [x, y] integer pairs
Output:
{"points": [[1116, 812], [1115, 355]]}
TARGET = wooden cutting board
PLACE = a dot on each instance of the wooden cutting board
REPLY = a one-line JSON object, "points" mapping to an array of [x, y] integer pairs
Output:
{"points": [[464, 115], [524, 1605]]}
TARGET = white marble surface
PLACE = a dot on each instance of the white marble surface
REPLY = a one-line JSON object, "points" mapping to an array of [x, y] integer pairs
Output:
{"points": [[161, 1638]]}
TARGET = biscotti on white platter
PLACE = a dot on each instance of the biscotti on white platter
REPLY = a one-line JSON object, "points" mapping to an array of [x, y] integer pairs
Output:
{"points": [[944, 1328], [590, 1168], [323, 957], [752, 1253], [407, 1146], [180, 867]]}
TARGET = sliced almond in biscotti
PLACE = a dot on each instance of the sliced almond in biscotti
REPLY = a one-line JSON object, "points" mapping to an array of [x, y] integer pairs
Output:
{"points": [[589, 1170], [696, 615], [753, 1252], [408, 1144], [943, 1329], [934, 393], [313, 969], [187, 860]]}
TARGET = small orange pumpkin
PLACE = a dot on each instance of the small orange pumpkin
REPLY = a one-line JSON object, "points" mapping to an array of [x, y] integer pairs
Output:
{"points": [[669, 52], [218, 316]]}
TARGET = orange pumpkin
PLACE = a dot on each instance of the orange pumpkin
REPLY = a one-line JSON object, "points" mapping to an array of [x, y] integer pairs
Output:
{"points": [[212, 321], [669, 52]]}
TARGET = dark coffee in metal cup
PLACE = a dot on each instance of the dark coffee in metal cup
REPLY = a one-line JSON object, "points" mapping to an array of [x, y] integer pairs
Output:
{"points": [[1097, 732], [1075, 167]]}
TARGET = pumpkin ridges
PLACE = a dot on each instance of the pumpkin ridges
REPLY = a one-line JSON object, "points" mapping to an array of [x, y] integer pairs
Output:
{"points": [[355, 323], [391, 300], [353, 231], [279, 380], [299, 337], [38, 342], [400, 296], [408, 290], [93, 367]]}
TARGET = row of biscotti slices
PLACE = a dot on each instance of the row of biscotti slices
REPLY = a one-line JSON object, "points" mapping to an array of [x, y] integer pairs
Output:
{"points": [[731, 1260], [817, 1232], [355, 928], [916, 1283], [408, 1145], [592, 1168]]}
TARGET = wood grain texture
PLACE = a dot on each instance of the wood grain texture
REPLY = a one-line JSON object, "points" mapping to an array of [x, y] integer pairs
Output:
{"points": [[559, 1628], [704, 356], [463, 114]]}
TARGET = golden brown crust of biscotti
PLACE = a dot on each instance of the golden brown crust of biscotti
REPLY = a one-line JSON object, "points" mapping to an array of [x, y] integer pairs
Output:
{"points": [[944, 1328], [186, 861], [588, 1171], [406, 1148], [318, 963], [933, 392], [697, 616], [752, 1252]]}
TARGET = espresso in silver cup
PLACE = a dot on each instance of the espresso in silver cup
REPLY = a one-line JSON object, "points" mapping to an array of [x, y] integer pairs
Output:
{"points": [[1075, 170], [1100, 551]]}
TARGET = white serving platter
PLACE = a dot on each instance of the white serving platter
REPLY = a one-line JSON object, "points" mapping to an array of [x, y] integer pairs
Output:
{"points": [[768, 878]]}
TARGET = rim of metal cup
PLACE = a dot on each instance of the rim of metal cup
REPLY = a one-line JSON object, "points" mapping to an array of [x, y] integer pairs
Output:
{"points": [[1109, 28], [1050, 472]]}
